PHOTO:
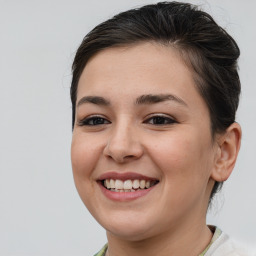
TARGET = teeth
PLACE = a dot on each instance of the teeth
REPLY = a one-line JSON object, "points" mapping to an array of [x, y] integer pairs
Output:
{"points": [[127, 185], [107, 183], [143, 184], [119, 184], [136, 184], [112, 183]]}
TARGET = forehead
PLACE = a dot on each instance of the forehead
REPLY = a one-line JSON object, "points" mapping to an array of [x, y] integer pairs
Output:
{"points": [[138, 69]]}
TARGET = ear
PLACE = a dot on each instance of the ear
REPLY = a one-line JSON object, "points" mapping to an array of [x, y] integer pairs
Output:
{"points": [[228, 145]]}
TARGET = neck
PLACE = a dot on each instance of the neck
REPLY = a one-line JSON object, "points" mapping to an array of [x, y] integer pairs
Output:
{"points": [[190, 240]]}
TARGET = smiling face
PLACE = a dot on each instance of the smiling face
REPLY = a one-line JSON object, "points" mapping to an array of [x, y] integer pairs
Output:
{"points": [[142, 151]]}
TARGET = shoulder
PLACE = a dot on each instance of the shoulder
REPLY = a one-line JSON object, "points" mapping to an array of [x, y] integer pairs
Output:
{"points": [[225, 246]]}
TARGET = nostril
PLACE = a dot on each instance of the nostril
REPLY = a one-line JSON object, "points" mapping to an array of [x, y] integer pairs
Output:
{"points": [[130, 156], [123, 148]]}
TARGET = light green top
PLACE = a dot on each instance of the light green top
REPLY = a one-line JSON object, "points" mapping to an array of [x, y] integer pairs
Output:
{"points": [[216, 235], [102, 251]]}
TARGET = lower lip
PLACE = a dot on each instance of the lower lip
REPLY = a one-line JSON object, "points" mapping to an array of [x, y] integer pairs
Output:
{"points": [[124, 196]]}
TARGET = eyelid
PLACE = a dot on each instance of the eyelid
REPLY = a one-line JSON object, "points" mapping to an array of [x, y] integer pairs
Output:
{"points": [[83, 121], [160, 115], [166, 116]]}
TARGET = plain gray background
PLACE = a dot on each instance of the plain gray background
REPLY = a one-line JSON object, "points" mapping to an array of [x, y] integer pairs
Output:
{"points": [[40, 210]]}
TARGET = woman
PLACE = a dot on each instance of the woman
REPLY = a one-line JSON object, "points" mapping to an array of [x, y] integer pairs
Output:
{"points": [[154, 94]]}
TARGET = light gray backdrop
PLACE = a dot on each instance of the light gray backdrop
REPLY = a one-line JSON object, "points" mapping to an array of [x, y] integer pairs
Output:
{"points": [[40, 211]]}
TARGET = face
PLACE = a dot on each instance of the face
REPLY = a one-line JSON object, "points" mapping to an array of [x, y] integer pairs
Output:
{"points": [[142, 151]]}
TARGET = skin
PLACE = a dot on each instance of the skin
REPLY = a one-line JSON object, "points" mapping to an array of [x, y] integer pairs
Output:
{"points": [[179, 152]]}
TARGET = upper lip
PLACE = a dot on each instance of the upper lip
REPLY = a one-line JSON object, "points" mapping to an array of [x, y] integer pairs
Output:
{"points": [[124, 176]]}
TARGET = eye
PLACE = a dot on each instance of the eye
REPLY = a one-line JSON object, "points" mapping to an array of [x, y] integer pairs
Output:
{"points": [[160, 120], [93, 121]]}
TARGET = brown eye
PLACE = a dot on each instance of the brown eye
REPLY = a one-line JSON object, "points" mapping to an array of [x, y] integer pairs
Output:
{"points": [[92, 121], [160, 120]]}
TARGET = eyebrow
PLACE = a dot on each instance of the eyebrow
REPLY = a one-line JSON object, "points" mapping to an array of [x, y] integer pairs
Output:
{"points": [[156, 98], [141, 100], [94, 100]]}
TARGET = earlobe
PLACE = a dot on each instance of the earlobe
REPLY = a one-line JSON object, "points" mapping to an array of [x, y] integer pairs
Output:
{"points": [[226, 153]]}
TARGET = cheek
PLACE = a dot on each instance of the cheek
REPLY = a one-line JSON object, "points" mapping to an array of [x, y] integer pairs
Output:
{"points": [[185, 165], [83, 157], [187, 157]]}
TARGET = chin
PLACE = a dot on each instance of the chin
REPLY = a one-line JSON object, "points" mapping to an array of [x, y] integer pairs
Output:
{"points": [[131, 234], [132, 229]]}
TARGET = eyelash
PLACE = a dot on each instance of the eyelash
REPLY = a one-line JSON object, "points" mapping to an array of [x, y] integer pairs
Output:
{"points": [[87, 121], [160, 118], [153, 120]]}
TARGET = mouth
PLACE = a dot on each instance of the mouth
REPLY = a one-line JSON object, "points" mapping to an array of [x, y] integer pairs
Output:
{"points": [[128, 185]]}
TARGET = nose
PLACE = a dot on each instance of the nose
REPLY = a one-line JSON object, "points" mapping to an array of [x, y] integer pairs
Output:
{"points": [[123, 144]]}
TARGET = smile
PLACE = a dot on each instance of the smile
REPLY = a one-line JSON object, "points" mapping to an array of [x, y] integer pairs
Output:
{"points": [[128, 185]]}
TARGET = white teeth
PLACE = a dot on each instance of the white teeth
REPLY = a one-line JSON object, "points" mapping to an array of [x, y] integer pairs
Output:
{"points": [[119, 184], [112, 183], [128, 184], [142, 184], [136, 184], [107, 183]]}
